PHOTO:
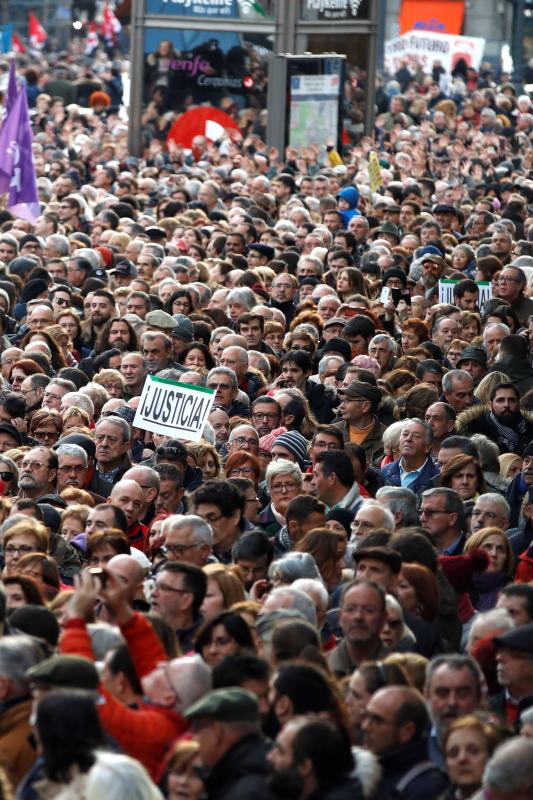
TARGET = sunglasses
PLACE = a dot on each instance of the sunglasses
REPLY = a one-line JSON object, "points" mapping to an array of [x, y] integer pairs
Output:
{"points": [[6, 476]]}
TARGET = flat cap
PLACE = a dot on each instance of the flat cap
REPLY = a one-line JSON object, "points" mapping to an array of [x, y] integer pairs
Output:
{"points": [[264, 249], [183, 328], [433, 259], [228, 705], [520, 638], [362, 389], [445, 208], [384, 554], [73, 672], [160, 319]]}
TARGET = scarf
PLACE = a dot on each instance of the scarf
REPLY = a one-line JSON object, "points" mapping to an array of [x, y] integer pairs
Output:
{"points": [[488, 585], [509, 437], [284, 539]]}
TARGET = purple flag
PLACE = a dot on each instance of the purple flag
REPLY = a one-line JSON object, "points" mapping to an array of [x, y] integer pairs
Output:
{"points": [[17, 170], [11, 94]]}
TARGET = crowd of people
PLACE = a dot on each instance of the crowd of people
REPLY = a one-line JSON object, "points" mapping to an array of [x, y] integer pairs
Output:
{"points": [[330, 595]]}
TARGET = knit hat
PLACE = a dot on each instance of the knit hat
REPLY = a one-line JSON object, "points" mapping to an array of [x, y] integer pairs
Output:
{"points": [[338, 345], [33, 289], [344, 516], [395, 272], [296, 444], [35, 621], [460, 569], [266, 442], [367, 362]]}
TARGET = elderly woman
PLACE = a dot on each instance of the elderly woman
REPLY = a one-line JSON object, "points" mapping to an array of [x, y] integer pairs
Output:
{"points": [[391, 442], [291, 567], [487, 585], [46, 426], [75, 418], [73, 520], [395, 634], [464, 259], [468, 745], [414, 332], [112, 380], [206, 457], [284, 481]]}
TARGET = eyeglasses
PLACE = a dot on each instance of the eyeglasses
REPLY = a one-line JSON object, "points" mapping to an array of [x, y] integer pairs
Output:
{"points": [[77, 468], [283, 487], [49, 396], [164, 587], [241, 471], [430, 512], [269, 417], [61, 301], [46, 434], [32, 465], [240, 441], [219, 386], [23, 549], [504, 279], [177, 550]]}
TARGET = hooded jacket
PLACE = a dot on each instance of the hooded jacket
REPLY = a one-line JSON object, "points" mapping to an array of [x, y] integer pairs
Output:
{"points": [[351, 195], [477, 420]]}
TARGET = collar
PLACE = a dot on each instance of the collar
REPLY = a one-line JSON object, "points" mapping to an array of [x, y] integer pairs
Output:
{"points": [[456, 547], [415, 472]]}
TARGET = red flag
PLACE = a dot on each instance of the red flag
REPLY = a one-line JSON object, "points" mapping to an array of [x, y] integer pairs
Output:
{"points": [[37, 33], [16, 44], [92, 41], [111, 27]]}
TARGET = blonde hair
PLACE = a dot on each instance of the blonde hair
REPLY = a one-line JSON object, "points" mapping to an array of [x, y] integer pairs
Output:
{"points": [[506, 462], [229, 582], [476, 540]]}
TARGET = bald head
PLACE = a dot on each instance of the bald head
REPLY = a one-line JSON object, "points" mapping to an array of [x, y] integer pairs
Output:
{"points": [[128, 495], [236, 358], [129, 571]]}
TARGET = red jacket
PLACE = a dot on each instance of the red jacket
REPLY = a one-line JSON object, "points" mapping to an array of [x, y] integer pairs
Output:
{"points": [[524, 568], [145, 733]]}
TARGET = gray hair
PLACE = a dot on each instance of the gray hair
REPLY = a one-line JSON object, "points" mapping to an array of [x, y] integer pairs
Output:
{"points": [[81, 401], [60, 243], [509, 770], [119, 423], [72, 450], [505, 328], [384, 337], [499, 499], [400, 499], [488, 452], [243, 295], [283, 467], [292, 566], [191, 677], [299, 602], [497, 620], [220, 329], [391, 436], [315, 589], [452, 502], [87, 252], [116, 776], [324, 361], [261, 362], [104, 637], [388, 522], [455, 374], [202, 533], [223, 371], [17, 654]]}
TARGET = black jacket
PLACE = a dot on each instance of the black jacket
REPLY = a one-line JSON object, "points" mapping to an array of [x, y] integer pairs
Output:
{"points": [[399, 762], [343, 789], [242, 772], [322, 401]]}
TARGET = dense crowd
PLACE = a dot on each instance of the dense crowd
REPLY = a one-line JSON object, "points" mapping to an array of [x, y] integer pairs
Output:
{"points": [[330, 595]]}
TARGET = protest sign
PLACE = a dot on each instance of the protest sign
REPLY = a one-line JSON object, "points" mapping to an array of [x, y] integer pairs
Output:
{"points": [[446, 292], [426, 47], [174, 409]]}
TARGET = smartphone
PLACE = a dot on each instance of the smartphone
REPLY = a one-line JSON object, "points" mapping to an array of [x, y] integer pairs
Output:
{"points": [[98, 572], [385, 295], [396, 295]]}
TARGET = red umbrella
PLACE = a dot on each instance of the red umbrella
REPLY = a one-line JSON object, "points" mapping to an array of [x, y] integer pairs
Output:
{"points": [[203, 121]]}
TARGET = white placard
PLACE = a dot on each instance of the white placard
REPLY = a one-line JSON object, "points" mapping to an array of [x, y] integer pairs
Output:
{"points": [[426, 47], [173, 409]]}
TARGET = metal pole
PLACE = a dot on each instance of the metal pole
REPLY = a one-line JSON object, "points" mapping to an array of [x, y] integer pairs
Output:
{"points": [[136, 75], [370, 99], [517, 44]]}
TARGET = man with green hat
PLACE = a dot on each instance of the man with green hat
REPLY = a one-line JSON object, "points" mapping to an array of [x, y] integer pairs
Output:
{"points": [[227, 726]]}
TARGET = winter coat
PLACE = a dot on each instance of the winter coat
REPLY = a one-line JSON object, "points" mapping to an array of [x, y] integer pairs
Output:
{"points": [[145, 733], [392, 475], [343, 789], [519, 372], [520, 538], [351, 195], [322, 400], [477, 420], [372, 444], [241, 773], [399, 762], [17, 754]]}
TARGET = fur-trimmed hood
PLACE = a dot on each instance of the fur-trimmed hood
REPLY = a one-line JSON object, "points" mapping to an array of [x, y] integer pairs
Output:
{"points": [[465, 418], [367, 771]]}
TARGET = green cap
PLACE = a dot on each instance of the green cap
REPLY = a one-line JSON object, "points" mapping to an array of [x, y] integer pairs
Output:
{"points": [[73, 672], [228, 705]]}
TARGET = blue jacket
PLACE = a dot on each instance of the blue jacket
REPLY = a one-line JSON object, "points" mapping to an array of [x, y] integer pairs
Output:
{"points": [[391, 474], [351, 195]]}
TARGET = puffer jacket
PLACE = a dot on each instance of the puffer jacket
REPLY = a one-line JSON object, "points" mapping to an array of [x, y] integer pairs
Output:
{"points": [[147, 732], [477, 420]]}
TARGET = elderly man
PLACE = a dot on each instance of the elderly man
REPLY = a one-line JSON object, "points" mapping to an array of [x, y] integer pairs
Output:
{"points": [[149, 481], [507, 775], [224, 381], [511, 288], [39, 317], [156, 349], [403, 504], [227, 725], [362, 615], [133, 368], [128, 495], [442, 515], [493, 336], [514, 666], [244, 437], [415, 469], [441, 417], [236, 358], [458, 390], [188, 538], [112, 438], [72, 466], [490, 511], [38, 473], [371, 515]]}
